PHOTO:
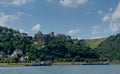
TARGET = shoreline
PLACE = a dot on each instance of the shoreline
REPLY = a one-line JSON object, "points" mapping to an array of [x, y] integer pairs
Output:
{"points": [[55, 63]]}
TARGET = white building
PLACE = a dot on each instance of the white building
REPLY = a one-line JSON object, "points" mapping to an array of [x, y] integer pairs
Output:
{"points": [[17, 52]]}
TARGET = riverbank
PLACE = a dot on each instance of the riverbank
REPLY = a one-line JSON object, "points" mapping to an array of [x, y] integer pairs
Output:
{"points": [[55, 63], [13, 64], [66, 63]]}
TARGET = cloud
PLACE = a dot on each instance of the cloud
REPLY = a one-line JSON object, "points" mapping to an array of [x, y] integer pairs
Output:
{"points": [[106, 18], [95, 30], [15, 2], [36, 27], [116, 14], [114, 27], [73, 32], [72, 3], [115, 20], [113, 17], [22, 31], [6, 19]]}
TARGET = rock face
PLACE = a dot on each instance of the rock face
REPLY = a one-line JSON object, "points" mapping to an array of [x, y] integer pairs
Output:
{"points": [[50, 37]]}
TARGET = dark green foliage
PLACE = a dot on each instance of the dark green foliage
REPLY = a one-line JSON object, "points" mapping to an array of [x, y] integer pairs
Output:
{"points": [[45, 47], [15, 59], [11, 40], [63, 50], [57, 48], [110, 48]]}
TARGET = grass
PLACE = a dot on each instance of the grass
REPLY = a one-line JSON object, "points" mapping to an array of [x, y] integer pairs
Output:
{"points": [[93, 43]]}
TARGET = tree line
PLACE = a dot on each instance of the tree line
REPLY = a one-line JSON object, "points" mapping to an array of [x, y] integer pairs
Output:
{"points": [[56, 48]]}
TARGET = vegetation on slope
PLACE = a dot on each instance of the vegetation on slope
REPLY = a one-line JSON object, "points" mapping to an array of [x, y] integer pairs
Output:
{"points": [[93, 43], [58, 47], [43, 47], [110, 48]]}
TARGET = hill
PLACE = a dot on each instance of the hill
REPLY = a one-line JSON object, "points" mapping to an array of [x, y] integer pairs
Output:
{"points": [[12, 39], [57, 48], [15, 45], [110, 48], [93, 43]]}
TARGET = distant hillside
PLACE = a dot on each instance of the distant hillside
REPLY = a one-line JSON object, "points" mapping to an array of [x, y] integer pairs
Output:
{"points": [[93, 43], [41, 47], [12, 39], [110, 48], [59, 47]]}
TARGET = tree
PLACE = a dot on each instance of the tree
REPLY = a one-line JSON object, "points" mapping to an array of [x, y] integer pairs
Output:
{"points": [[15, 59]]}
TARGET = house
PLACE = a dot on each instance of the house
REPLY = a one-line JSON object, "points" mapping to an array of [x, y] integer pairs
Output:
{"points": [[17, 52], [23, 58]]}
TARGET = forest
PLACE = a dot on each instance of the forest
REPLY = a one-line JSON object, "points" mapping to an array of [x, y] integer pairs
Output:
{"points": [[60, 47]]}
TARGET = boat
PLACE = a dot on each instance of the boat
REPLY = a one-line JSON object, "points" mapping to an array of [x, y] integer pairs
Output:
{"points": [[95, 64], [102, 63]]}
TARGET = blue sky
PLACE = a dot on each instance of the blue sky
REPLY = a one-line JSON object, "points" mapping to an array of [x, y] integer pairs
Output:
{"points": [[81, 19]]}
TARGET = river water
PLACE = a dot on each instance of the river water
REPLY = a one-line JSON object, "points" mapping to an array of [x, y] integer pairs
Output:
{"points": [[63, 69]]}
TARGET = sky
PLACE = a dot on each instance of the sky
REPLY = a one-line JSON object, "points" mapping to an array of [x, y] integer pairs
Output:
{"points": [[82, 19]]}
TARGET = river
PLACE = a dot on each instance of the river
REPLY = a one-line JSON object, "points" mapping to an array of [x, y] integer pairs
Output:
{"points": [[63, 69]]}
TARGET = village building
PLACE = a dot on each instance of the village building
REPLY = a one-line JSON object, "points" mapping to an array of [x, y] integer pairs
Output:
{"points": [[24, 58], [17, 52]]}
